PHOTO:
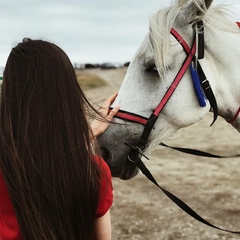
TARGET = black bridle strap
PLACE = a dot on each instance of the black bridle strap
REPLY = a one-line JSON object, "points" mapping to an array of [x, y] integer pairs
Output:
{"points": [[197, 152], [204, 82], [208, 92], [200, 39], [174, 198]]}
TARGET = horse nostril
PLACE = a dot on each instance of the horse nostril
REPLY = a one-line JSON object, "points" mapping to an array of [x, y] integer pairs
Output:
{"points": [[104, 153]]}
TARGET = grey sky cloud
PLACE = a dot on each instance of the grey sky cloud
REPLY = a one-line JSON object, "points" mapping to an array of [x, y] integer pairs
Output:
{"points": [[87, 30]]}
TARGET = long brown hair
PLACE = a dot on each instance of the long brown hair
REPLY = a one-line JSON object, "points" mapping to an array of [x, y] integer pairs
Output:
{"points": [[46, 156]]}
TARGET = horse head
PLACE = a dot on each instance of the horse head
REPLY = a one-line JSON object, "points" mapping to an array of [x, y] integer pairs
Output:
{"points": [[173, 49]]}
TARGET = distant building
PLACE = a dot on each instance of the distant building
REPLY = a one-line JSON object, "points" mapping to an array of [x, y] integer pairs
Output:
{"points": [[106, 65]]}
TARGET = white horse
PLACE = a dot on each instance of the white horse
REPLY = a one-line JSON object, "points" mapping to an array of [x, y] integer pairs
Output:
{"points": [[155, 66]]}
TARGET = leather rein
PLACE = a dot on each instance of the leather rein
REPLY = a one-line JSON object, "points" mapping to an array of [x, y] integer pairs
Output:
{"points": [[137, 151]]}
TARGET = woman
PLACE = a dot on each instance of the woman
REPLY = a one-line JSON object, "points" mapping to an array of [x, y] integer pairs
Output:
{"points": [[51, 182]]}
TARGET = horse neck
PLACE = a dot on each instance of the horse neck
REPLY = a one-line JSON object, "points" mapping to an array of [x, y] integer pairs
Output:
{"points": [[221, 64]]}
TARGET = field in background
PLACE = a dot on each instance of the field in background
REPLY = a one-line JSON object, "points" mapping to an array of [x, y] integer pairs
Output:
{"points": [[88, 81]]}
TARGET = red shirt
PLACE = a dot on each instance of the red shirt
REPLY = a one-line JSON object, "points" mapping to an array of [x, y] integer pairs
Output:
{"points": [[9, 229], [106, 190]]}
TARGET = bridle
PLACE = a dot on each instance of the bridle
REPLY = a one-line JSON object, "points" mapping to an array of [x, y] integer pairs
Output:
{"points": [[191, 58], [206, 88], [137, 151]]}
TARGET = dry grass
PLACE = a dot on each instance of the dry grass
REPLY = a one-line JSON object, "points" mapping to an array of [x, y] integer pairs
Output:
{"points": [[85, 80], [89, 81]]}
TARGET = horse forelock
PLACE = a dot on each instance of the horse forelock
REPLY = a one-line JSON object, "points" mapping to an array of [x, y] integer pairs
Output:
{"points": [[159, 34], [161, 23]]}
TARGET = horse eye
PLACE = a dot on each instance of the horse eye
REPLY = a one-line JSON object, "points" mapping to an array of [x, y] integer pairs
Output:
{"points": [[151, 69]]}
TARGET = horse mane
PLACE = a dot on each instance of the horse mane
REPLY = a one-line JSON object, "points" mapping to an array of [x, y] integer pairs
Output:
{"points": [[161, 23]]}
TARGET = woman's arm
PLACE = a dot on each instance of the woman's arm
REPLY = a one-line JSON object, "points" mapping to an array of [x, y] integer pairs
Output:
{"points": [[103, 227], [98, 126]]}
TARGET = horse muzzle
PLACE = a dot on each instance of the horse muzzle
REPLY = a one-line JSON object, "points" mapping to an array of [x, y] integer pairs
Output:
{"points": [[123, 169], [115, 151]]}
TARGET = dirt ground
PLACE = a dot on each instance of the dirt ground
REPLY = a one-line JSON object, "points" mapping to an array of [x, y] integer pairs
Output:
{"points": [[210, 186]]}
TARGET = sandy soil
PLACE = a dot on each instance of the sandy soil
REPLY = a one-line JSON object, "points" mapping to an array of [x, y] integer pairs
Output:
{"points": [[210, 186]]}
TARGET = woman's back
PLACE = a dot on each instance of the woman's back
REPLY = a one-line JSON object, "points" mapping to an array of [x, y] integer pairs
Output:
{"points": [[46, 156]]}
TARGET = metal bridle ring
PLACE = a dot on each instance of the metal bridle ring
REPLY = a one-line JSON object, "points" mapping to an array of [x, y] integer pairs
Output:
{"points": [[139, 153]]}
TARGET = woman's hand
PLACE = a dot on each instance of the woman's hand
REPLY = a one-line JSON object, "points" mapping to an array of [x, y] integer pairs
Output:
{"points": [[99, 126]]}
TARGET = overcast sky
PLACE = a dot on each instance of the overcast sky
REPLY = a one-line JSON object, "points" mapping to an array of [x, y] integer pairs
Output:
{"points": [[87, 30]]}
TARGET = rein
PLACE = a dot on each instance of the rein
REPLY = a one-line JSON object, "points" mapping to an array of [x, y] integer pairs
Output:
{"points": [[197, 152], [137, 151], [174, 198]]}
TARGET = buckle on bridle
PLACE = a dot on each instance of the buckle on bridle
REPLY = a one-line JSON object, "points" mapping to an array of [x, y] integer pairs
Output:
{"points": [[135, 150]]}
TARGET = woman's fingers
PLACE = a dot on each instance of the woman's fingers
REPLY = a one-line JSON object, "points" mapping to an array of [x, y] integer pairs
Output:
{"points": [[98, 126], [110, 100], [113, 112], [104, 109]]}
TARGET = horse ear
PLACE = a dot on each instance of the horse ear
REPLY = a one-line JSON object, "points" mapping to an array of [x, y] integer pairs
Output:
{"points": [[203, 6], [193, 10], [208, 3]]}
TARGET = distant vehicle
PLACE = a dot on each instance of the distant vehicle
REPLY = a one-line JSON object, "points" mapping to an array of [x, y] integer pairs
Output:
{"points": [[91, 65], [108, 66], [126, 64]]}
